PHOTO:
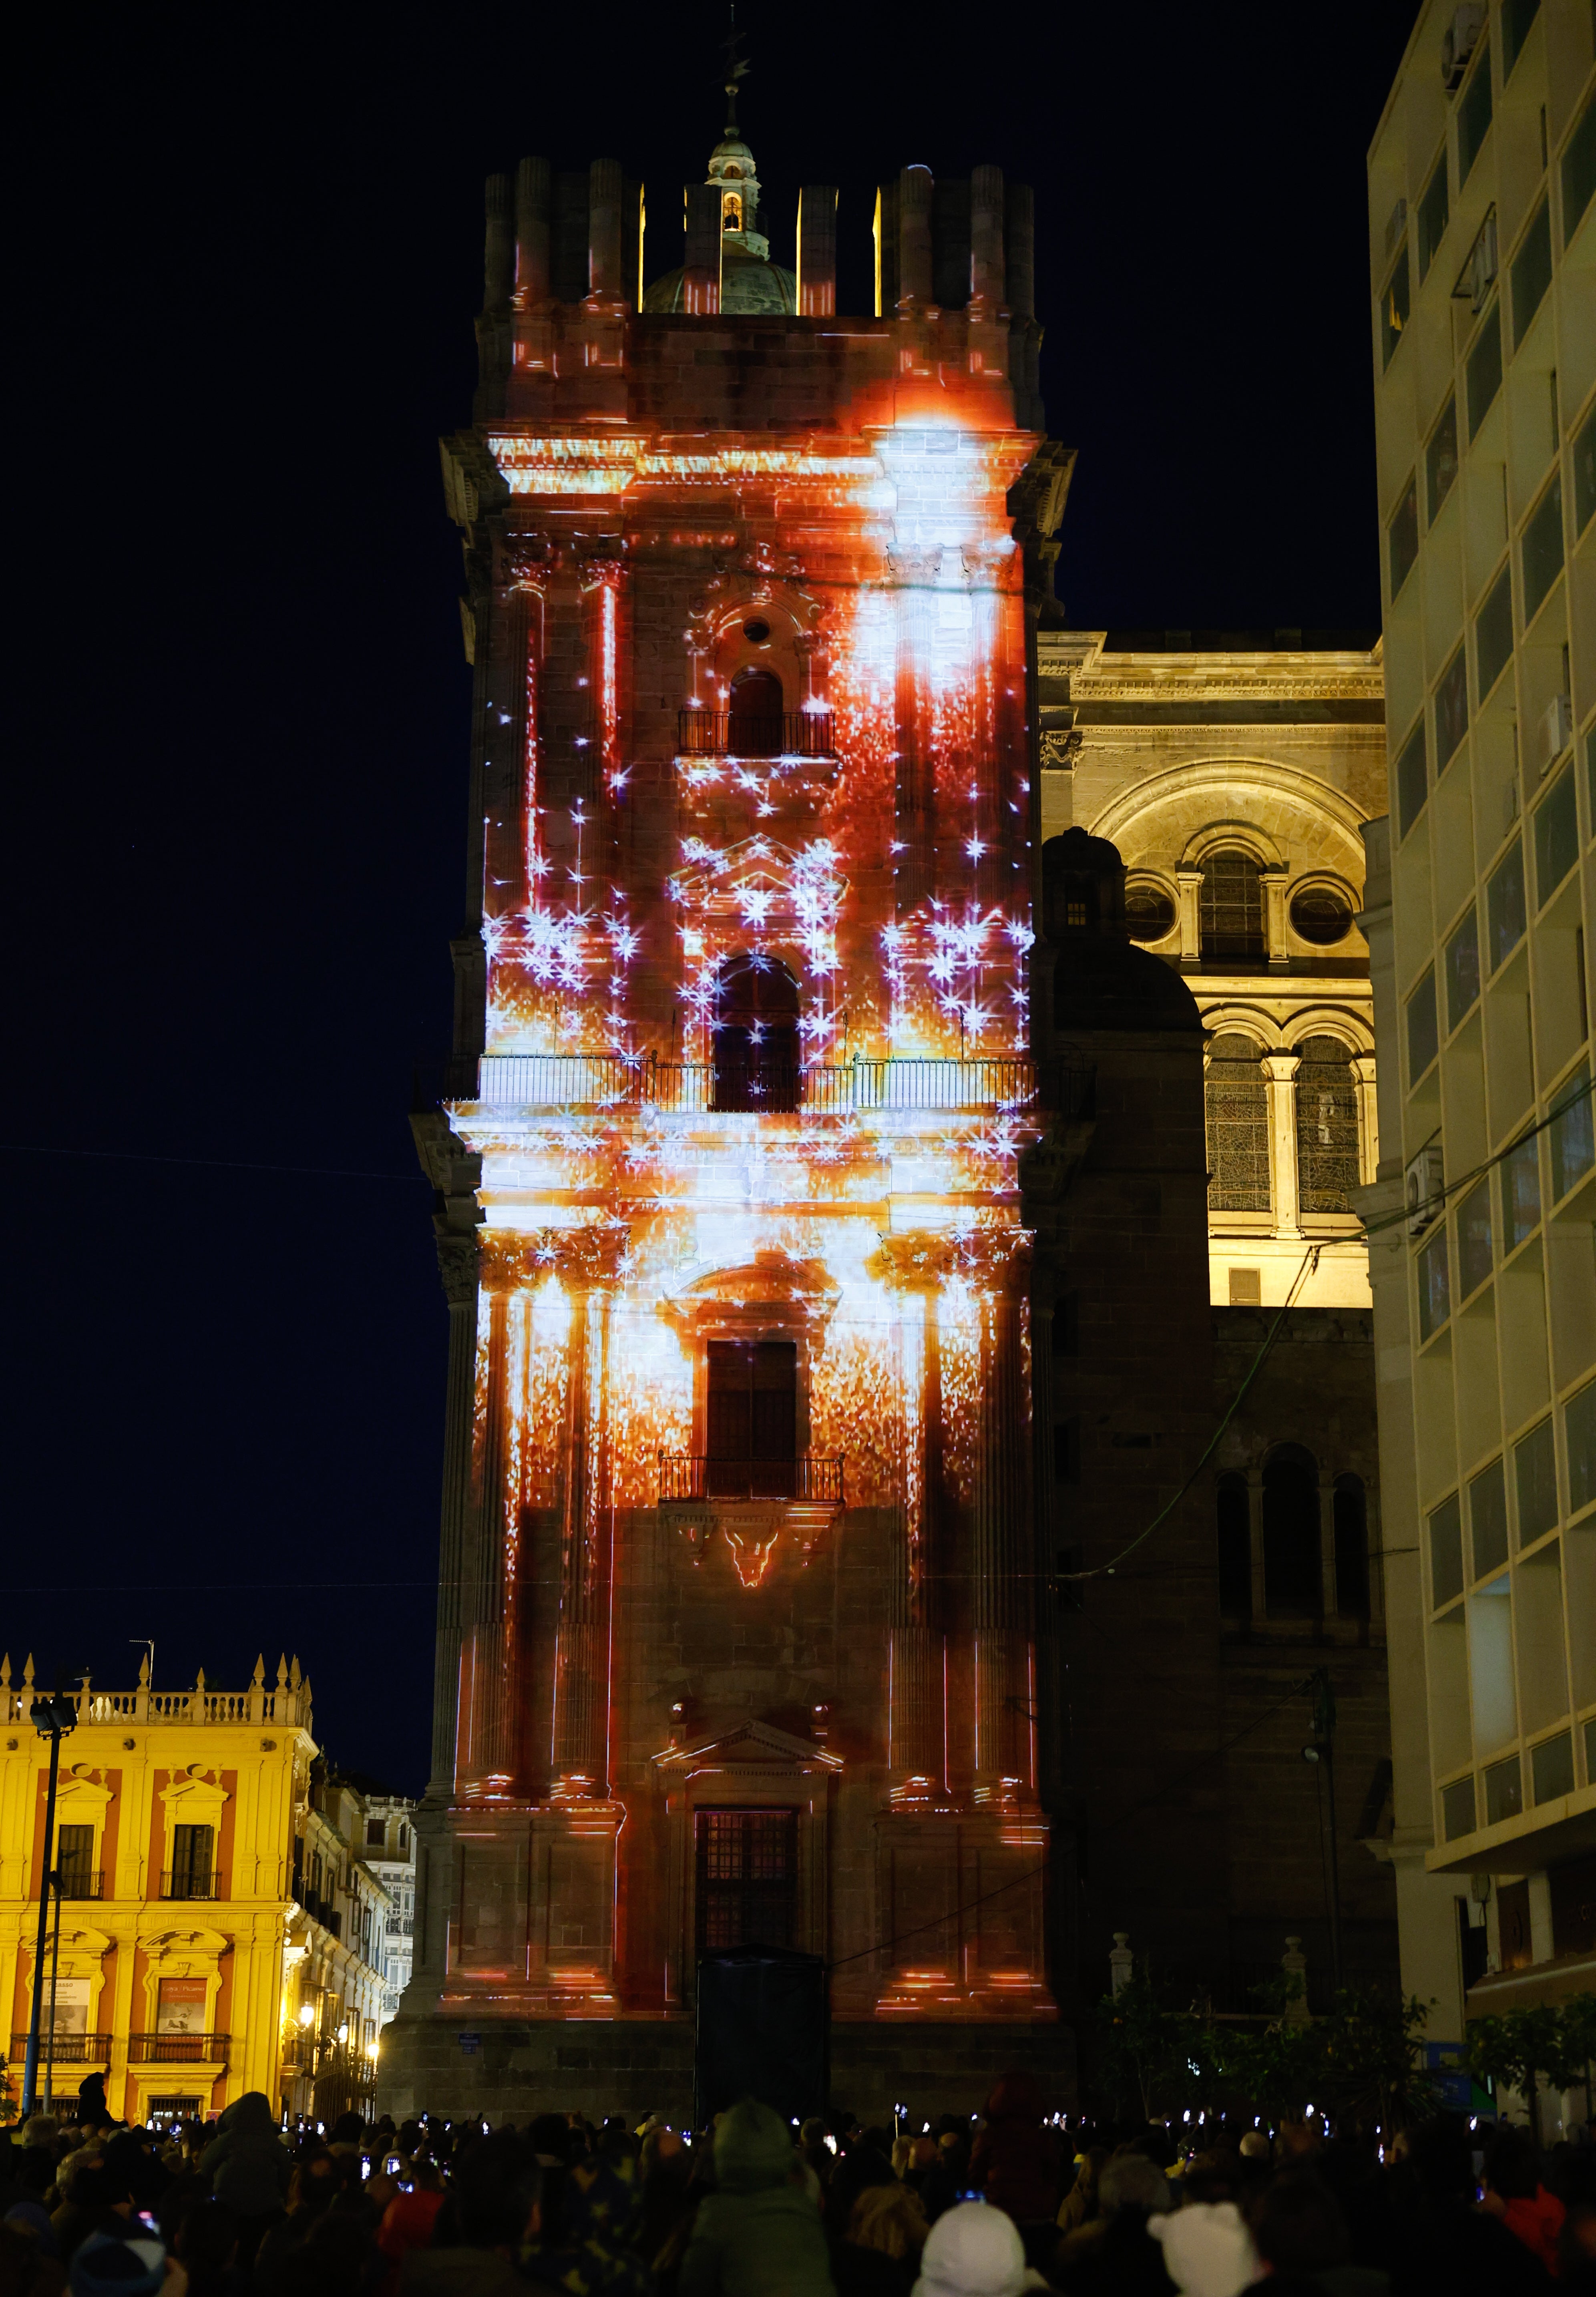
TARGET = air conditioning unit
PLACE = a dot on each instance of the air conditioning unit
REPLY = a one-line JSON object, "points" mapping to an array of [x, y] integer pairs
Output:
{"points": [[1556, 730], [1396, 223], [1460, 40], [1426, 1181], [1482, 262]]}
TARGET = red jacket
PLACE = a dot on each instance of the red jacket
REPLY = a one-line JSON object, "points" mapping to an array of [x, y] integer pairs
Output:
{"points": [[1537, 2224]]}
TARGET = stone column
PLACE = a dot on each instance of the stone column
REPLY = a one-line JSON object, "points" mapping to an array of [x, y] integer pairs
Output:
{"points": [[533, 208], [817, 250], [587, 1261], [913, 1265], [914, 574], [1190, 885], [1254, 1525], [1002, 1590], [1327, 1543], [1279, 1089], [1369, 1118], [458, 1267], [1273, 885], [915, 190], [487, 1757]]}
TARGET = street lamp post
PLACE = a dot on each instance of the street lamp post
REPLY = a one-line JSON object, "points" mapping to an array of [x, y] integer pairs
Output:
{"points": [[54, 1716]]}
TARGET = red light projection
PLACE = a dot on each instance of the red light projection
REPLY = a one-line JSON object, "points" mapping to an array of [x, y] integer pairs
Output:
{"points": [[749, 612]]}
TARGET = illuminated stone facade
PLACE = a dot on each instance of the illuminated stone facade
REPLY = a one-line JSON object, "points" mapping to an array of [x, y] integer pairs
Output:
{"points": [[737, 1632], [217, 1928]]}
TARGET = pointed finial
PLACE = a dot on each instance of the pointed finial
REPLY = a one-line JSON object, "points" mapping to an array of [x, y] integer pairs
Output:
{"points": [[282, 1671], [736, 68], [143, 1672], [258, 1680], [199, 1680], [294, 1673], [28, 1673], [5, 1668]]}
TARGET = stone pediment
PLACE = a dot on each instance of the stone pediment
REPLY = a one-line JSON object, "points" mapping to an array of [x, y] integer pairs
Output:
{"points": [[748, 1748]]}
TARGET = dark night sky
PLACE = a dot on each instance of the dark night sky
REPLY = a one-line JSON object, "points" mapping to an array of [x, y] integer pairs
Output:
{"points": [[246, 252]]}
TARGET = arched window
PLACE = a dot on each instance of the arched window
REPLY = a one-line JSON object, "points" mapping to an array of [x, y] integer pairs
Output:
{"points": [[1238, 1128], [1231, 911], [756, 702], [1327, 1126], [1235, 1549], [1352, 1548], [756, 1035], [1292, 1583]]}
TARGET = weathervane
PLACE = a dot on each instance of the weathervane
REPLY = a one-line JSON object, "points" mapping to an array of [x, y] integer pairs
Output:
{"points": [[735, 67]]}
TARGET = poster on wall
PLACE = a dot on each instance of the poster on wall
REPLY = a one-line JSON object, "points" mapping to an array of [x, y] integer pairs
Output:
{"points": [[181, 2008], [71, 2005]]}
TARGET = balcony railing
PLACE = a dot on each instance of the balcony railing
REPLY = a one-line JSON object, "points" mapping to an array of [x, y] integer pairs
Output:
{"points": [[725, 734], [68, 2049], [684, 1476], [188, 1884], [179, 2049], [705, 1088], [76, 1883]]}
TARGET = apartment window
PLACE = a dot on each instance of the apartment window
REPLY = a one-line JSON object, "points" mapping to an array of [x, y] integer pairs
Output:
{"points": [[1434, 1284], [1231, 910], [1520, 1194], [1532, 272], [1402, 538], [1474, 1239], [1494, 633], [1433, 211], [1394, 305], [1446, 1553], [75, 1861], [1517, 16], [1579, 1432], [1293, 1586], [1452, 709], [1238, 1115], [1556, 836], [1579, 170], [1474, 113], [1457, 1808], [1441, 459], [753, 1417], [1488, 1519], [1571, 1136], [747, 1876], [1504, 1791], [1462, 968], [1350, 1515], [191, 1862], [1482, 375], [1504, 905], [1551, 1768], [1535, 1483], [1412, 780], [1423, 1036], [1235, 1548], [1327, 1126], [1584, 473], [1542, 548]]}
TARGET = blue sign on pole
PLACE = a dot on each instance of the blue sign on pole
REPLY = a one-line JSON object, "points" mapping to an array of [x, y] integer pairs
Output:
{"points": [[470, 2044]]}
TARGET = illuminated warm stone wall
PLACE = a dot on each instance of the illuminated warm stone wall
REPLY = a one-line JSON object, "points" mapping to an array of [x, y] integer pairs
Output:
{"points": [[743, 1057]]}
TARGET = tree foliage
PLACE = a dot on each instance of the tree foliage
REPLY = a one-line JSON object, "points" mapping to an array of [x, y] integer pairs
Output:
{"points": [[1554, 2041]]}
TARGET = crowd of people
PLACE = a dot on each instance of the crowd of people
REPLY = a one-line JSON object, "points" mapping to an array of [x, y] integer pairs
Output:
{"points": [[993, 2205]]}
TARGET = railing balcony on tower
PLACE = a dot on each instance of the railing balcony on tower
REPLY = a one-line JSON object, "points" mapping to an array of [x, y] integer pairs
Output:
{"points": [[696, 1476], [705, 1088], [736, 733]]}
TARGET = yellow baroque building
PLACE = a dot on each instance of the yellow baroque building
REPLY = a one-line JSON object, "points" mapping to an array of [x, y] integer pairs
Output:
{"points": [[184, 1938]]}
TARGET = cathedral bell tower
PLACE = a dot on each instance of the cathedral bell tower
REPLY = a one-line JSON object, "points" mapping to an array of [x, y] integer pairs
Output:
{"points": [[737, 1617]]}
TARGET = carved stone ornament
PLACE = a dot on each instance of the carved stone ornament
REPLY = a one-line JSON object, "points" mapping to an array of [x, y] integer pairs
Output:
{"points": [[993, 1259], [458, 1267], [579, 1257], [1061, 748], [1047, 1164]]}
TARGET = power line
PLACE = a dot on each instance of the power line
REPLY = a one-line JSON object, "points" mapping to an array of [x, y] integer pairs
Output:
{"points": [[1465, 1180]]}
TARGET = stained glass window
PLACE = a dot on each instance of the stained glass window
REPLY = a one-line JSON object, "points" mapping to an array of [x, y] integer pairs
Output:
{"points": [[1327, 1127], [1238, 1128]]}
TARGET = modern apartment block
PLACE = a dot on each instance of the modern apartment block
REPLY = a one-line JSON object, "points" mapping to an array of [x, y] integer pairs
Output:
{"points": [[1482, 199]]}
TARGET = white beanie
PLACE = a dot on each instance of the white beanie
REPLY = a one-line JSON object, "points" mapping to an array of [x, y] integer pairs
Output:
{"points": [[1207, 2250], [972, 2251]]}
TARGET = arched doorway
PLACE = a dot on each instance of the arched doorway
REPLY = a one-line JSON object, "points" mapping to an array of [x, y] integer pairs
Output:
{"points": [[756, 714], [755, 1035]]}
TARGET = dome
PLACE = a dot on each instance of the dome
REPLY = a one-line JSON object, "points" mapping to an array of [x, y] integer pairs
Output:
{"points": [[751, 285]]}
